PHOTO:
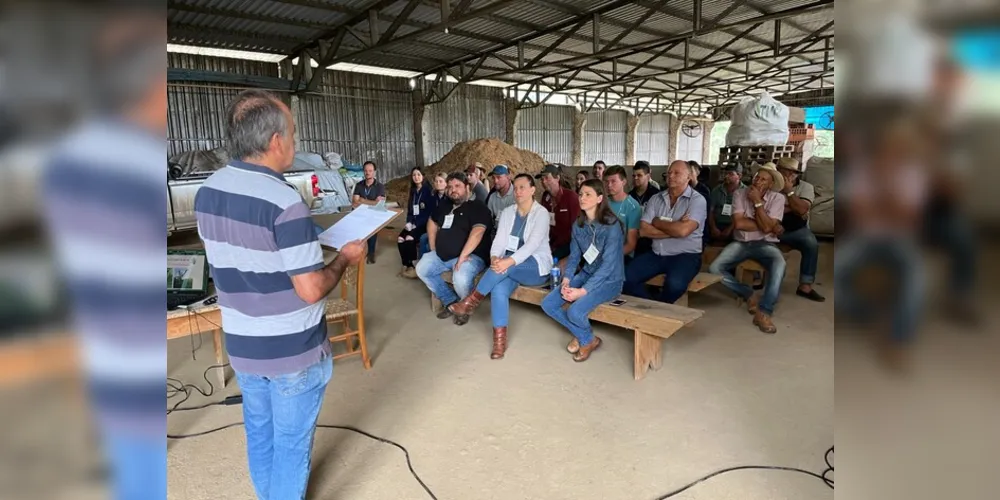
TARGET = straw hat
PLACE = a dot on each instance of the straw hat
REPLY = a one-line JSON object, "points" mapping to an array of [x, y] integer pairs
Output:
{"points": [[777, 180]]}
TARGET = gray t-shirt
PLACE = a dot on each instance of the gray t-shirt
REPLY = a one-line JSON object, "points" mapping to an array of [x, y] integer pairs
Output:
{"points": [[479, 193], [497, 202]]}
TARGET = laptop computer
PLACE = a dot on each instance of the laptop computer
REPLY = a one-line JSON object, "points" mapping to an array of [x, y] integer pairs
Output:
{"points": [[187, 277]]}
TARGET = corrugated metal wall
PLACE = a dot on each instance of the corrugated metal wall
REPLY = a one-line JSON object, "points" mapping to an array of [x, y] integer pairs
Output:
{"points": [[469, 113], [196, 111], [652, 139], [604, 137], [548, 131], [362, 117]]}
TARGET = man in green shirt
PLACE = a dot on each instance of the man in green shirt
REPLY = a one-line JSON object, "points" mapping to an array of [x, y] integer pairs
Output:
{"points": [[720, 210]]}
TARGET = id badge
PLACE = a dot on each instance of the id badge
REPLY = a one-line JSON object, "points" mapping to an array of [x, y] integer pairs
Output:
{"points": [[727, 209], [666, 218], [512, 242], [416, 209], [448, 219], [552, 218], [591, 254]]}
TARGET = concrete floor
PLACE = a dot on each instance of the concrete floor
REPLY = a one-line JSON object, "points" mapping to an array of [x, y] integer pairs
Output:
{"points": [[536, 425]]}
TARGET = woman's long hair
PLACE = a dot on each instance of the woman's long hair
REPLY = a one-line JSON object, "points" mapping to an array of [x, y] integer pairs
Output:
{"points": [[603, 213], [434, 190], [413, 187]]}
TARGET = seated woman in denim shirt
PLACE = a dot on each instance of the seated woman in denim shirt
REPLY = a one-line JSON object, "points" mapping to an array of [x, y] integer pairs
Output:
{"points": [[520, 255], [598, 239], [417, 213]]}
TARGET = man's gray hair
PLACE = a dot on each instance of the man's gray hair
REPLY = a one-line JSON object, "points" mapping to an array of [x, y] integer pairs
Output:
{"points": [[252, 119]]}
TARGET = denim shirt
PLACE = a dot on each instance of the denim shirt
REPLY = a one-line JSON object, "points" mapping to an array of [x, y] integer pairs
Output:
{"points": [[609, 266]]}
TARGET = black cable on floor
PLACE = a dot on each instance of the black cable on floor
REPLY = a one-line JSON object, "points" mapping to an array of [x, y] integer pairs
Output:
{"points": [[176, 387], [822, 477], [409, 463]]}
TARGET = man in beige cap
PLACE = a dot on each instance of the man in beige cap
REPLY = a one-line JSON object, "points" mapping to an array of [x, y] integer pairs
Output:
{"points": [[799, 196], [757, 213]]}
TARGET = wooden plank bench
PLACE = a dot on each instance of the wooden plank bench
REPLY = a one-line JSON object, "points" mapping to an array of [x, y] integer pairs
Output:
{"points": [[650, 321]]}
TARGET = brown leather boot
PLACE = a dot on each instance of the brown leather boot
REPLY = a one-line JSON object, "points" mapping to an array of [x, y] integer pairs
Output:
{"points": [[499, 342], [764, 323], [467, 305], [585, 350], [753, 304]]}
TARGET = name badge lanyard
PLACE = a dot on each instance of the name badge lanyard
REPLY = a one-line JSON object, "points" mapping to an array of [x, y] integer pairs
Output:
{"points": [[417, 195]]}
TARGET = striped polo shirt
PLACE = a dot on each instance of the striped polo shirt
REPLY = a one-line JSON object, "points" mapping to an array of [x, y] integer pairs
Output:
{"points": [[258, 233]]}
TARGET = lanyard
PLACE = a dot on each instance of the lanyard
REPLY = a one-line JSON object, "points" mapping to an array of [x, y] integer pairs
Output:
{"points": [[417, 194], [368, 189]]}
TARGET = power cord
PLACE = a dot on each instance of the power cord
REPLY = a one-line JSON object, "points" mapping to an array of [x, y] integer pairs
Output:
{"points": [[176, 387], [825, 476]]}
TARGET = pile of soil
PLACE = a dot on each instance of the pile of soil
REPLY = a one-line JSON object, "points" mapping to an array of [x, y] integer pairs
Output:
{"points": [[489, 152]]}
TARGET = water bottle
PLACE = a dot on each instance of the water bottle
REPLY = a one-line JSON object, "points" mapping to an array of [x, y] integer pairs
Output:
{"points": [[554, 274]]}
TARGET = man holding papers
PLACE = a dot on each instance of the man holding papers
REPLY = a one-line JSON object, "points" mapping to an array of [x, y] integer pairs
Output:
{"points": [[456, 233]]}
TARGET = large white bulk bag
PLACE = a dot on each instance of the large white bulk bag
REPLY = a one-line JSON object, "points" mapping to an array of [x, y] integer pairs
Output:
{"points": [[758, 121]]}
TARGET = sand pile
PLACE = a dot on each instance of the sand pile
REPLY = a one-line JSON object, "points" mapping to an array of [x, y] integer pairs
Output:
{"points": [[489, 152]]}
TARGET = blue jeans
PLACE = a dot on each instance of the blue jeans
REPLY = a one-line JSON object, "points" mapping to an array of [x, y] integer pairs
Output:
{"points": [[431, 267], [574, 318], [280, 416], [424, 246], [767, 254], [138, 465], [678, 271], [371, 244], [900, 258], [500, 286], [805, 242]]}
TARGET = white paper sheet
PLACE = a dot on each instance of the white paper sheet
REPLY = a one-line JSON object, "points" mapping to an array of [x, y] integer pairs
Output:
{"points": [[357, 225]]}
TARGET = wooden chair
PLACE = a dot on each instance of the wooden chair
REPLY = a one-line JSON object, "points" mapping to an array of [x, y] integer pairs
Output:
{"points": [[340, 310]]}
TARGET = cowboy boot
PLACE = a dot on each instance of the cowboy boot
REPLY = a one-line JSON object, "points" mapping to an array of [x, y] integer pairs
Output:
{"points": [[467, 305], [499, 342], [764, 323]]}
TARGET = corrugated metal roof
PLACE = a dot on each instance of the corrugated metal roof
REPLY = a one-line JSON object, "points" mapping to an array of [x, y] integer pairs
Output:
{"points": [[285, 26]]}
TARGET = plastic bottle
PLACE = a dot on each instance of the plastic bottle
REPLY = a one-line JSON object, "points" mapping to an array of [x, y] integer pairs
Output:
{"points": [[554, 275]]}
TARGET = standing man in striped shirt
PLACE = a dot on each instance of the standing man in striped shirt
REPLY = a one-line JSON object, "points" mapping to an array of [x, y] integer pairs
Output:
{"points": [[269, 273]]}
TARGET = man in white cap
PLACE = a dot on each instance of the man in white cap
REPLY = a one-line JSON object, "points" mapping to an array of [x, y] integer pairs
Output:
{"points": [[757, 213]]}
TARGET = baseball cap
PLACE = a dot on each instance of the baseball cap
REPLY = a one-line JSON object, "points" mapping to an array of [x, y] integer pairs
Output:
{"points": [[733, 167], [500, 170], [550, 169]]}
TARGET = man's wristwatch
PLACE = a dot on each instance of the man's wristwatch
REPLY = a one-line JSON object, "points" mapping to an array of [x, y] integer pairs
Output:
{"points": [[758, 204]]}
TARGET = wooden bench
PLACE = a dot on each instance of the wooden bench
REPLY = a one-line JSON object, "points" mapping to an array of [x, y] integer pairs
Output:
{"points": [[700, 282], [650, 321]]}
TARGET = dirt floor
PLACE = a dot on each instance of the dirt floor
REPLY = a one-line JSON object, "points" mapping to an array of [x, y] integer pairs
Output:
{"points": [[536, 425]]}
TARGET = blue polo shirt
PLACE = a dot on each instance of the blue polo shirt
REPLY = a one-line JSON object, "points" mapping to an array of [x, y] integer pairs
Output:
{"points": [[690, 202]]}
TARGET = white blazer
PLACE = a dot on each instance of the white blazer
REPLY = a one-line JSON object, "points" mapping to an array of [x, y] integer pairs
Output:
{"points": [[536, 237]]}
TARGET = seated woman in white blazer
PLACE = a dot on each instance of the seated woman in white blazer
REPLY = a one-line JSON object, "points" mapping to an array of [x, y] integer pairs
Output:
{"points": [[520, 255]]}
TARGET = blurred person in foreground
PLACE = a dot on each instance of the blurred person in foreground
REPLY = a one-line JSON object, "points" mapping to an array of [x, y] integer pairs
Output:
{"points": [[883, 195], [757, 213], [105, 206], [945, 226], [272, 283], [799, 196]]}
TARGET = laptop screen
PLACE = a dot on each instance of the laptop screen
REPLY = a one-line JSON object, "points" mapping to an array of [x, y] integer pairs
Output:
{"points": [[187, 271]]}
